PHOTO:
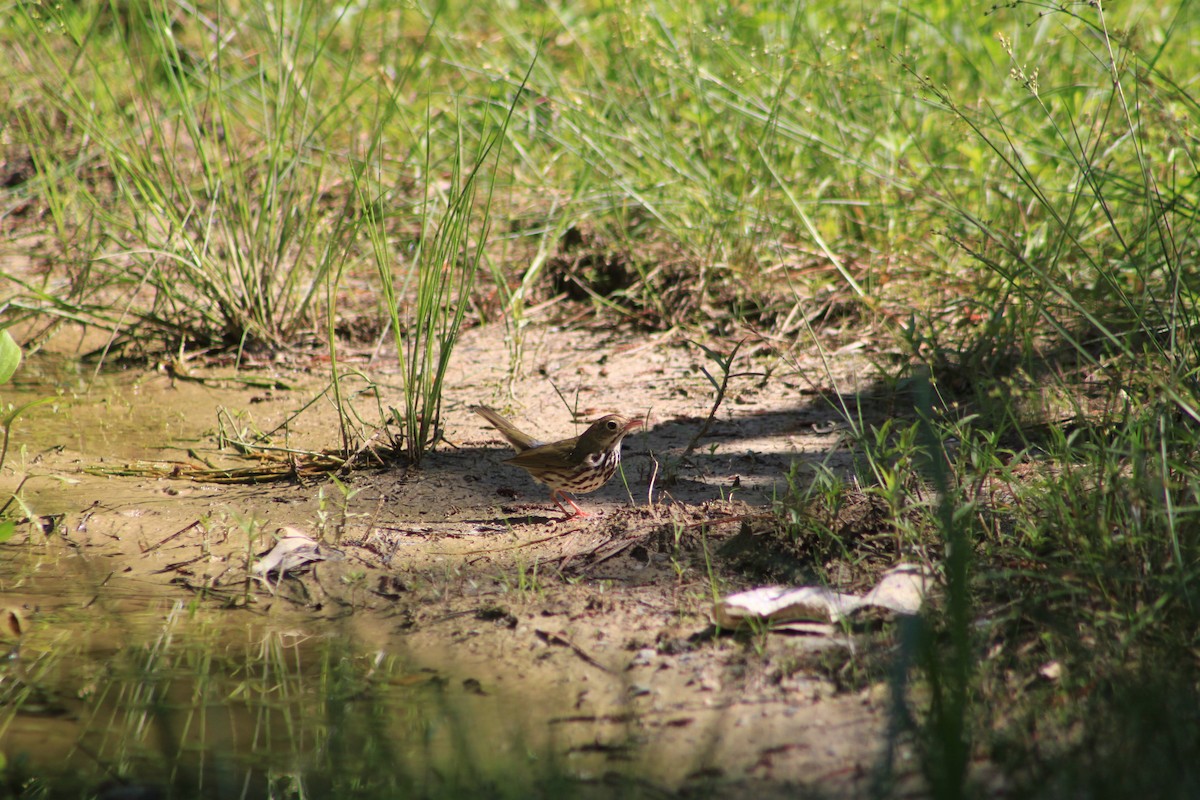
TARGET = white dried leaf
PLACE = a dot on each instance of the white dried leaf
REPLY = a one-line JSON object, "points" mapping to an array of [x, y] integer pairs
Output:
{"points": [[813, 608], [293, 550]]}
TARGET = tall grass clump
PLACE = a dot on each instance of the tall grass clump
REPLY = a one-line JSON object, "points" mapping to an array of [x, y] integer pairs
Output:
{"points": [[442, 262], [187, 156], [244, 166]]}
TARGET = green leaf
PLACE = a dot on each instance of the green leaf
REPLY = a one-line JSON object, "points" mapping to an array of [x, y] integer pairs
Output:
{"points": [[10, 356], [7, 529]]}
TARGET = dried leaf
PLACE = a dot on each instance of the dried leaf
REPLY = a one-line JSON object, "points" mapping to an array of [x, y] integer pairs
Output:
{"points": [[902, 590], [294, 550]]}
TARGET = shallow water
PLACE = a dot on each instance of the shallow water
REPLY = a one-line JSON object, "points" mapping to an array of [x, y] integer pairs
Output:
{"points": [[117, 687], [107, 415]]}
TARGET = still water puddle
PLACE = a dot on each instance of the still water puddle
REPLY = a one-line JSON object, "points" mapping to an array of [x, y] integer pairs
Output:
{"points": [[110, 415], [113, 690]]}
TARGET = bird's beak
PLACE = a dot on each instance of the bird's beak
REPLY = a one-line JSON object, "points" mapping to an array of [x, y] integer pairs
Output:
{"points": [[633, 423]]}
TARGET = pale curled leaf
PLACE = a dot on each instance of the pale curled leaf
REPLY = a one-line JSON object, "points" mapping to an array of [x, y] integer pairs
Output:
{"points": [[294, 550], [782, 604], [902, 590]]}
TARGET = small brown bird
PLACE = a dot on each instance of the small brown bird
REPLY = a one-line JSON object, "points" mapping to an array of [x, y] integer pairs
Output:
{"points": [[579, 465]]}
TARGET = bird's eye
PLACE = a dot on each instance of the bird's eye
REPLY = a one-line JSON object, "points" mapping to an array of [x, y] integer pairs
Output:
{"points": [[612, 425]]}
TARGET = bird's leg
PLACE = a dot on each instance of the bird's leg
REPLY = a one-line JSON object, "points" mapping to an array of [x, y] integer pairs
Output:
{"points": [[556, 494]]}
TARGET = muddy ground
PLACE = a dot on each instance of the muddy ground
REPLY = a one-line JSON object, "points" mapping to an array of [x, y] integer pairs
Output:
{"points": [[596, 630]]}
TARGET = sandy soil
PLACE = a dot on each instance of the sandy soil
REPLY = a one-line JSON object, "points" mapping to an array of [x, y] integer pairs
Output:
{"points": [[596, 628]]}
